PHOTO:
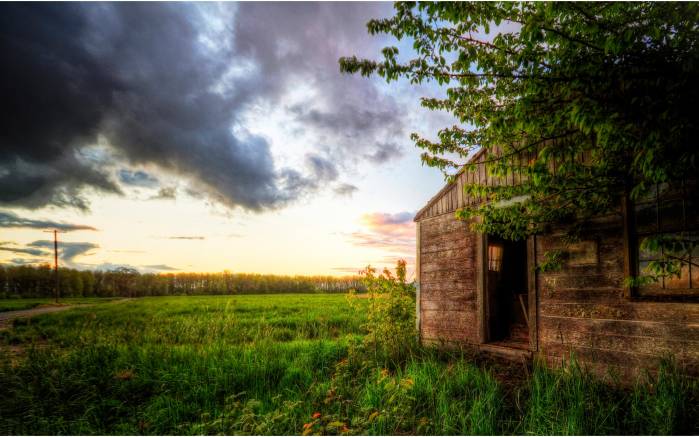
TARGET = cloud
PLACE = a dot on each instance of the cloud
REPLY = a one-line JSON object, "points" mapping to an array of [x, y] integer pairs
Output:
{"points": [[384, 242], [26, 261], [345, 116], [348, 270], [345, 190], [387, 232], [19, 250], [11, 220], [67, 250], [160, 267], [186, 237], [166, 193], [137, 178], [399, 224], [384, 153], [166, 86], [321, 168]]}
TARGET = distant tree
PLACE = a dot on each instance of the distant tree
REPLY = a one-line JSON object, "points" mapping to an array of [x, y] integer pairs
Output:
{"points": [[37, 281], [124, 280], [613, 82]]}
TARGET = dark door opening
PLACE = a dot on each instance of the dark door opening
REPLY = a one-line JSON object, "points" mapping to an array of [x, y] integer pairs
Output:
{"points": [[507, 297]]}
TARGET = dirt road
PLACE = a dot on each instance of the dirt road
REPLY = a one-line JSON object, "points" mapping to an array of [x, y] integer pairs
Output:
{"points": [[7, 317]]}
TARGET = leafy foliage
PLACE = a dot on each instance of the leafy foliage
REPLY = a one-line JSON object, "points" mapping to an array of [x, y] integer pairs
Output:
{"points": [[390, 315], [584, 102]]}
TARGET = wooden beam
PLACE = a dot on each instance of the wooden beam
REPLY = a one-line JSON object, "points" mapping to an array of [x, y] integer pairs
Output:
{"points": [[532, 294], [629, 245], [418, 267], [482, 286]]}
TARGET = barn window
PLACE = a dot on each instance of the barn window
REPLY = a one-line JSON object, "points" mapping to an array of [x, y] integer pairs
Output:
{"points": [[670, 210]]}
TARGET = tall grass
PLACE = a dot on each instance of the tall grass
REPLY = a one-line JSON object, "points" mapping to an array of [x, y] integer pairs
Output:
{"points": [[290, 365]]}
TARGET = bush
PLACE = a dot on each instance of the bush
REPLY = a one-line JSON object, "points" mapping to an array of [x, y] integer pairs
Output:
{"points": [[390, 326]]}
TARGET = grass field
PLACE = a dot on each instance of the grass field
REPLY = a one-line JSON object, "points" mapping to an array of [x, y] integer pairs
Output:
{"points": [[284, 364], [25, 304]]}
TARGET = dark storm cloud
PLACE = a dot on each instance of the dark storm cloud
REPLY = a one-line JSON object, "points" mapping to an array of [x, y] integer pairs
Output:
{"points": [[160, 84], [11, 220], [66, 250], [137, 178]]}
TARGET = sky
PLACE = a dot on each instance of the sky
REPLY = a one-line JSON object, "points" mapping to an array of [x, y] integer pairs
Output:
{"points": [[206, 137]]}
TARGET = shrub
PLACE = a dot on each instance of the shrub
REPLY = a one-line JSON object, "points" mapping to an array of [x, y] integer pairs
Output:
{"points": [[390, 325]]}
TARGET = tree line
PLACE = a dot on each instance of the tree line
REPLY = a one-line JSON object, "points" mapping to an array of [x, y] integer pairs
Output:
{"points": [[38, 281]]}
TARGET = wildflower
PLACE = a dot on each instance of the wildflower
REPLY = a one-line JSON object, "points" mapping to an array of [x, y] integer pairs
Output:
{"points": [[307, 425], [124, 375], [315, 415]]}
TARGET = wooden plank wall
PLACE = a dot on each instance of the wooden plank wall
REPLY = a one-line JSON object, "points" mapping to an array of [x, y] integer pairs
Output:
{"points": [[447, 281], [452, 196], [583, 309]]}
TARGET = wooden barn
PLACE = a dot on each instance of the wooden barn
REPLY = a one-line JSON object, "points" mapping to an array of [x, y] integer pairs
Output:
{"points": [[485, 292]]}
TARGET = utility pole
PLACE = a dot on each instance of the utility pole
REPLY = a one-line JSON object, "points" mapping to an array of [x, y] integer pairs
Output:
{"points": [[57, 289]]}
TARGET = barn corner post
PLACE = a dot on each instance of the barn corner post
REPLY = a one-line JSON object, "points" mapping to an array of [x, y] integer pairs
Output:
{"points": [[417, 282]]}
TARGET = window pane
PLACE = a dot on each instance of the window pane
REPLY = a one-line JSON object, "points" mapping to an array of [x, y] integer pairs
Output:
{"points": [[643, 272], [672, 215], [650, 195], [668, 191], [692, 213], [646, 217], [679, 282], [647, 255]]}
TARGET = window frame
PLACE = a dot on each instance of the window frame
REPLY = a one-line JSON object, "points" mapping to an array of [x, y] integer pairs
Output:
{"points": [[632, 239]]}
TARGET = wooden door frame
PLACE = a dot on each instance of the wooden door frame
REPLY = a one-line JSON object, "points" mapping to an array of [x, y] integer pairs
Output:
{"points": [[532, 294], [482, 297]]}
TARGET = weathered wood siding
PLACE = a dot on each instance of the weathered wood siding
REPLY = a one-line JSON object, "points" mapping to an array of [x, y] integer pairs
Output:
{"points": [[452, 196], [583, 309], [447, 280]]}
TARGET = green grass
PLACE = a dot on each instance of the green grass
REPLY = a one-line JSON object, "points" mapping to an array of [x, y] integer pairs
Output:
{"points": [[25, 304], [266, 364]]}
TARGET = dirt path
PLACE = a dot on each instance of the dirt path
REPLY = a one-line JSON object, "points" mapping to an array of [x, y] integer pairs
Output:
{"points": [[7, 317]]}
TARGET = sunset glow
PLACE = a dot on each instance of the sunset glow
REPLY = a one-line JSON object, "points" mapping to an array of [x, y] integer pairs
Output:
{"points": [[253, 154]]}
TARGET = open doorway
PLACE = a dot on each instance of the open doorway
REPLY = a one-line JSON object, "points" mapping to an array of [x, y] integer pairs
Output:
{"points": [[507, 308]]}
